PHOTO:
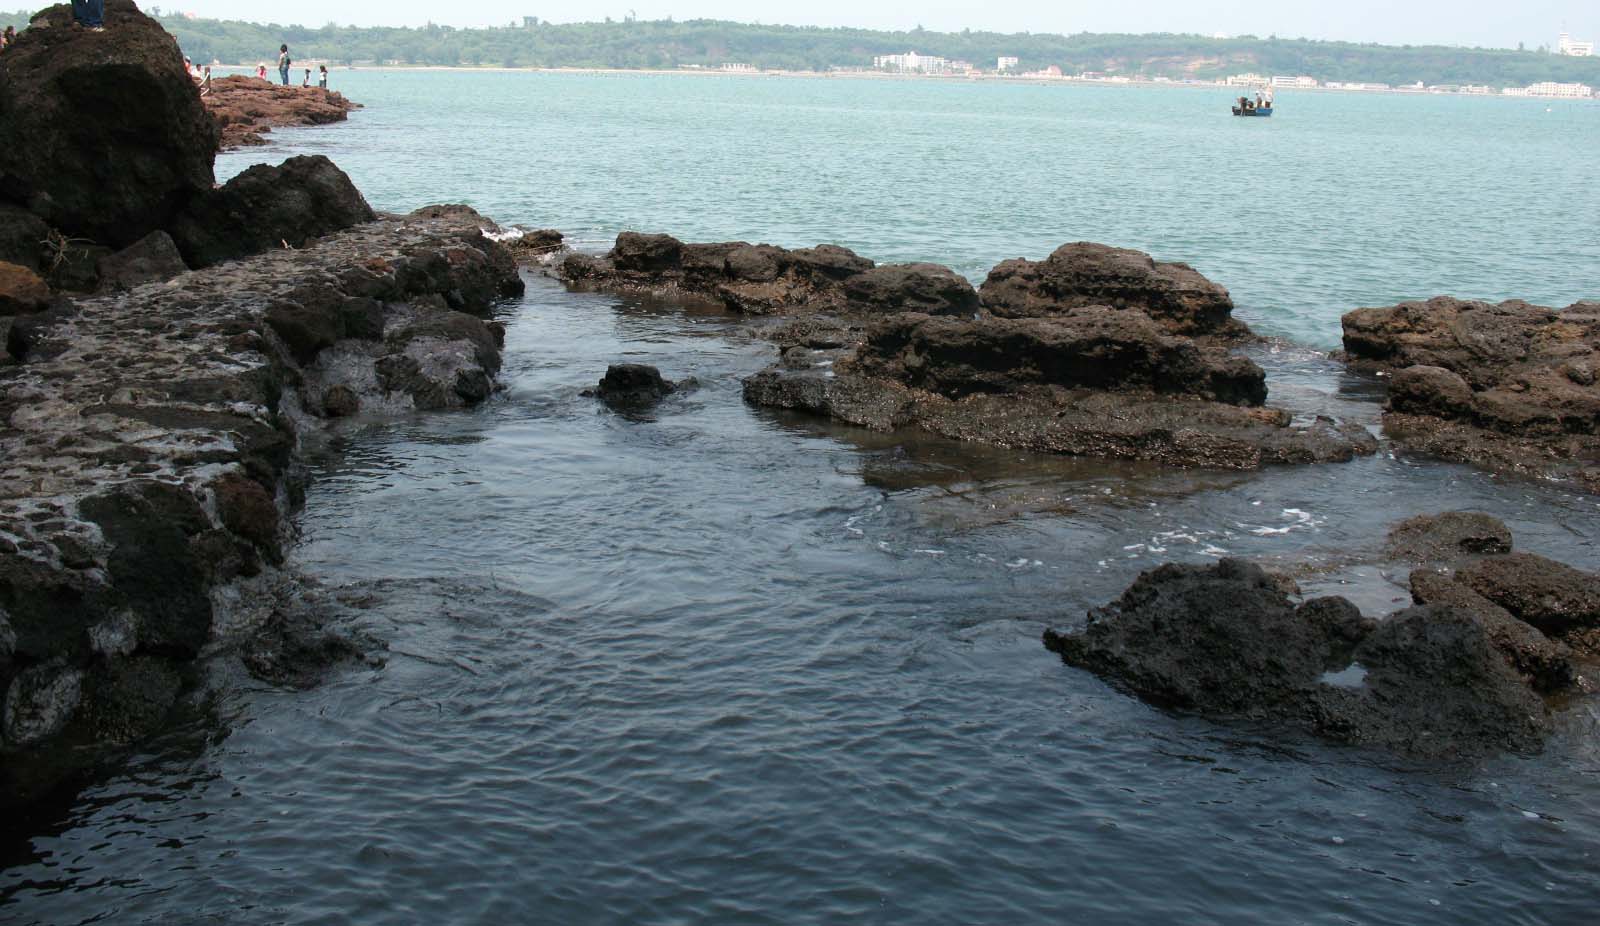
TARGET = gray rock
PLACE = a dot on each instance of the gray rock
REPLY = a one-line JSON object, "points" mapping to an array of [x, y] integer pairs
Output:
{"points": [[117, 635], [40, 702], [633, 386], [1551, 596], [266, 207]]}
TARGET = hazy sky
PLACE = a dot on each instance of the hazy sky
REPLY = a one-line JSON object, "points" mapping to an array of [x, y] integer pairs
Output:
{"points": [[1501, 23]]}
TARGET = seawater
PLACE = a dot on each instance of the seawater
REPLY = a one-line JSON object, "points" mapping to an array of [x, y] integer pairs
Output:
{"points": [[723, 665]]}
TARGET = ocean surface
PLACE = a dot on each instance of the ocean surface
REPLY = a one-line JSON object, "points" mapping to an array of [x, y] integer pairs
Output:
{"points": [[723, 665]]}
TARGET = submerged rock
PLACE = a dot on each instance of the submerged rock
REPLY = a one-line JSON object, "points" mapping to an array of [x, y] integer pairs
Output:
{"points": [[1507, 386], [1224, 641], [102, 134], [632, 386], [1088, 274]]}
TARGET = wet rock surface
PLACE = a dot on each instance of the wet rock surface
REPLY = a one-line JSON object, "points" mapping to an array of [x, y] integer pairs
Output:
{"points": [[152, 259], [1224, 641], [102, 134], [1508, 386], [762, 279], [1465, 669], [632, 387], [149, 454], [246, 109]]}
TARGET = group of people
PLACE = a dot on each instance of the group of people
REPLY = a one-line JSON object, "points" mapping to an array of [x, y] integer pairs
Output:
{"points": [[1263, 100], [201, 77], [284, 63]]}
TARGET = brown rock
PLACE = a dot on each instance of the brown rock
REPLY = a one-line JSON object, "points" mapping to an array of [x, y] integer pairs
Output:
{"points": [[1545, 663], [1448, 537], [1084, 273], [22, 292], [245, 108], [1551, 596]]}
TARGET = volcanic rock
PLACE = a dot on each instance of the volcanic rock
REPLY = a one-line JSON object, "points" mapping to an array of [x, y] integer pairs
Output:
{"points": [[246, 108], [153, 258], [22, 237], [1224, 641], [1508, 386], [763, 279], [1449, 537], [1545, 663], [1551, 596], [1084, 274], [1091, 346], [632, 386], [102, 134], [269, 207]]}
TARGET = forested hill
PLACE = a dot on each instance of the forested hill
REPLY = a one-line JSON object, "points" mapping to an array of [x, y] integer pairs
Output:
{"points": [[666, 44]]}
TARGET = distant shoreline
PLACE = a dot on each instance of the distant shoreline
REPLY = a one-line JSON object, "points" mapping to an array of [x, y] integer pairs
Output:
{"points": [[909, 78]]}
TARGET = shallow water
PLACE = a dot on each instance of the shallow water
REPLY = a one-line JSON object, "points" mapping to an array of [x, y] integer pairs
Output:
{"points": [[726, 665]]}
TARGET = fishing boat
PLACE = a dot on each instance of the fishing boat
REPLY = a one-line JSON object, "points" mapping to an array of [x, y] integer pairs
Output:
{"points": [[1261, 106]]}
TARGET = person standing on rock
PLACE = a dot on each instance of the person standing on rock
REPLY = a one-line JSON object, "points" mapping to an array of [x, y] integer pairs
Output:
{"points": [[307, 82], [7, 37], [261, 71], [322, 76], [90, 14], [283, 64]]}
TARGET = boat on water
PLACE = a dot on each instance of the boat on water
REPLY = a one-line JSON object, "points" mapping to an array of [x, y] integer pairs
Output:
{"points": [[1260, 106]]}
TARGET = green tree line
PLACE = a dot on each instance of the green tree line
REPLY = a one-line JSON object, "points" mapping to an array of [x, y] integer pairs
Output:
{"points": [[710, 43]]}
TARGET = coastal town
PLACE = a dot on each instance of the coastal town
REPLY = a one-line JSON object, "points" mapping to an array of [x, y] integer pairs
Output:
{"points": [[912, 64]]}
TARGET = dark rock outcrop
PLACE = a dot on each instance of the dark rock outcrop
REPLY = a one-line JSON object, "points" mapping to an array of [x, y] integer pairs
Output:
{"points": [[632, 386], [1508, 386], [1545, 663], [268, 207], [1090, 347], [763, 279], [245, 109], [23, 238], [102, 134], [1223, 640], [148, 461], [1551, 596], [1085, 274], [152, 259]]}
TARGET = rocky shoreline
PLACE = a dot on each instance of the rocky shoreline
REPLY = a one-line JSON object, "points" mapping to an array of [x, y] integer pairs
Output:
{"points": [[246, 109], [168, 346], [153, 417], [1094, 351]]}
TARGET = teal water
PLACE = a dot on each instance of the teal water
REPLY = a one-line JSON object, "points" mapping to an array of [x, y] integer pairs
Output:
{"points": [[727, 666], [1338, 201]]}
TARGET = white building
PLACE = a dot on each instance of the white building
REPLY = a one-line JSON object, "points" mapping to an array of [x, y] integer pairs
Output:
{"points": [[1566, 45], [1246, 80], [1561, 91], [1302, 82], [1006, 63], [738, 67], [911, 63]]}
